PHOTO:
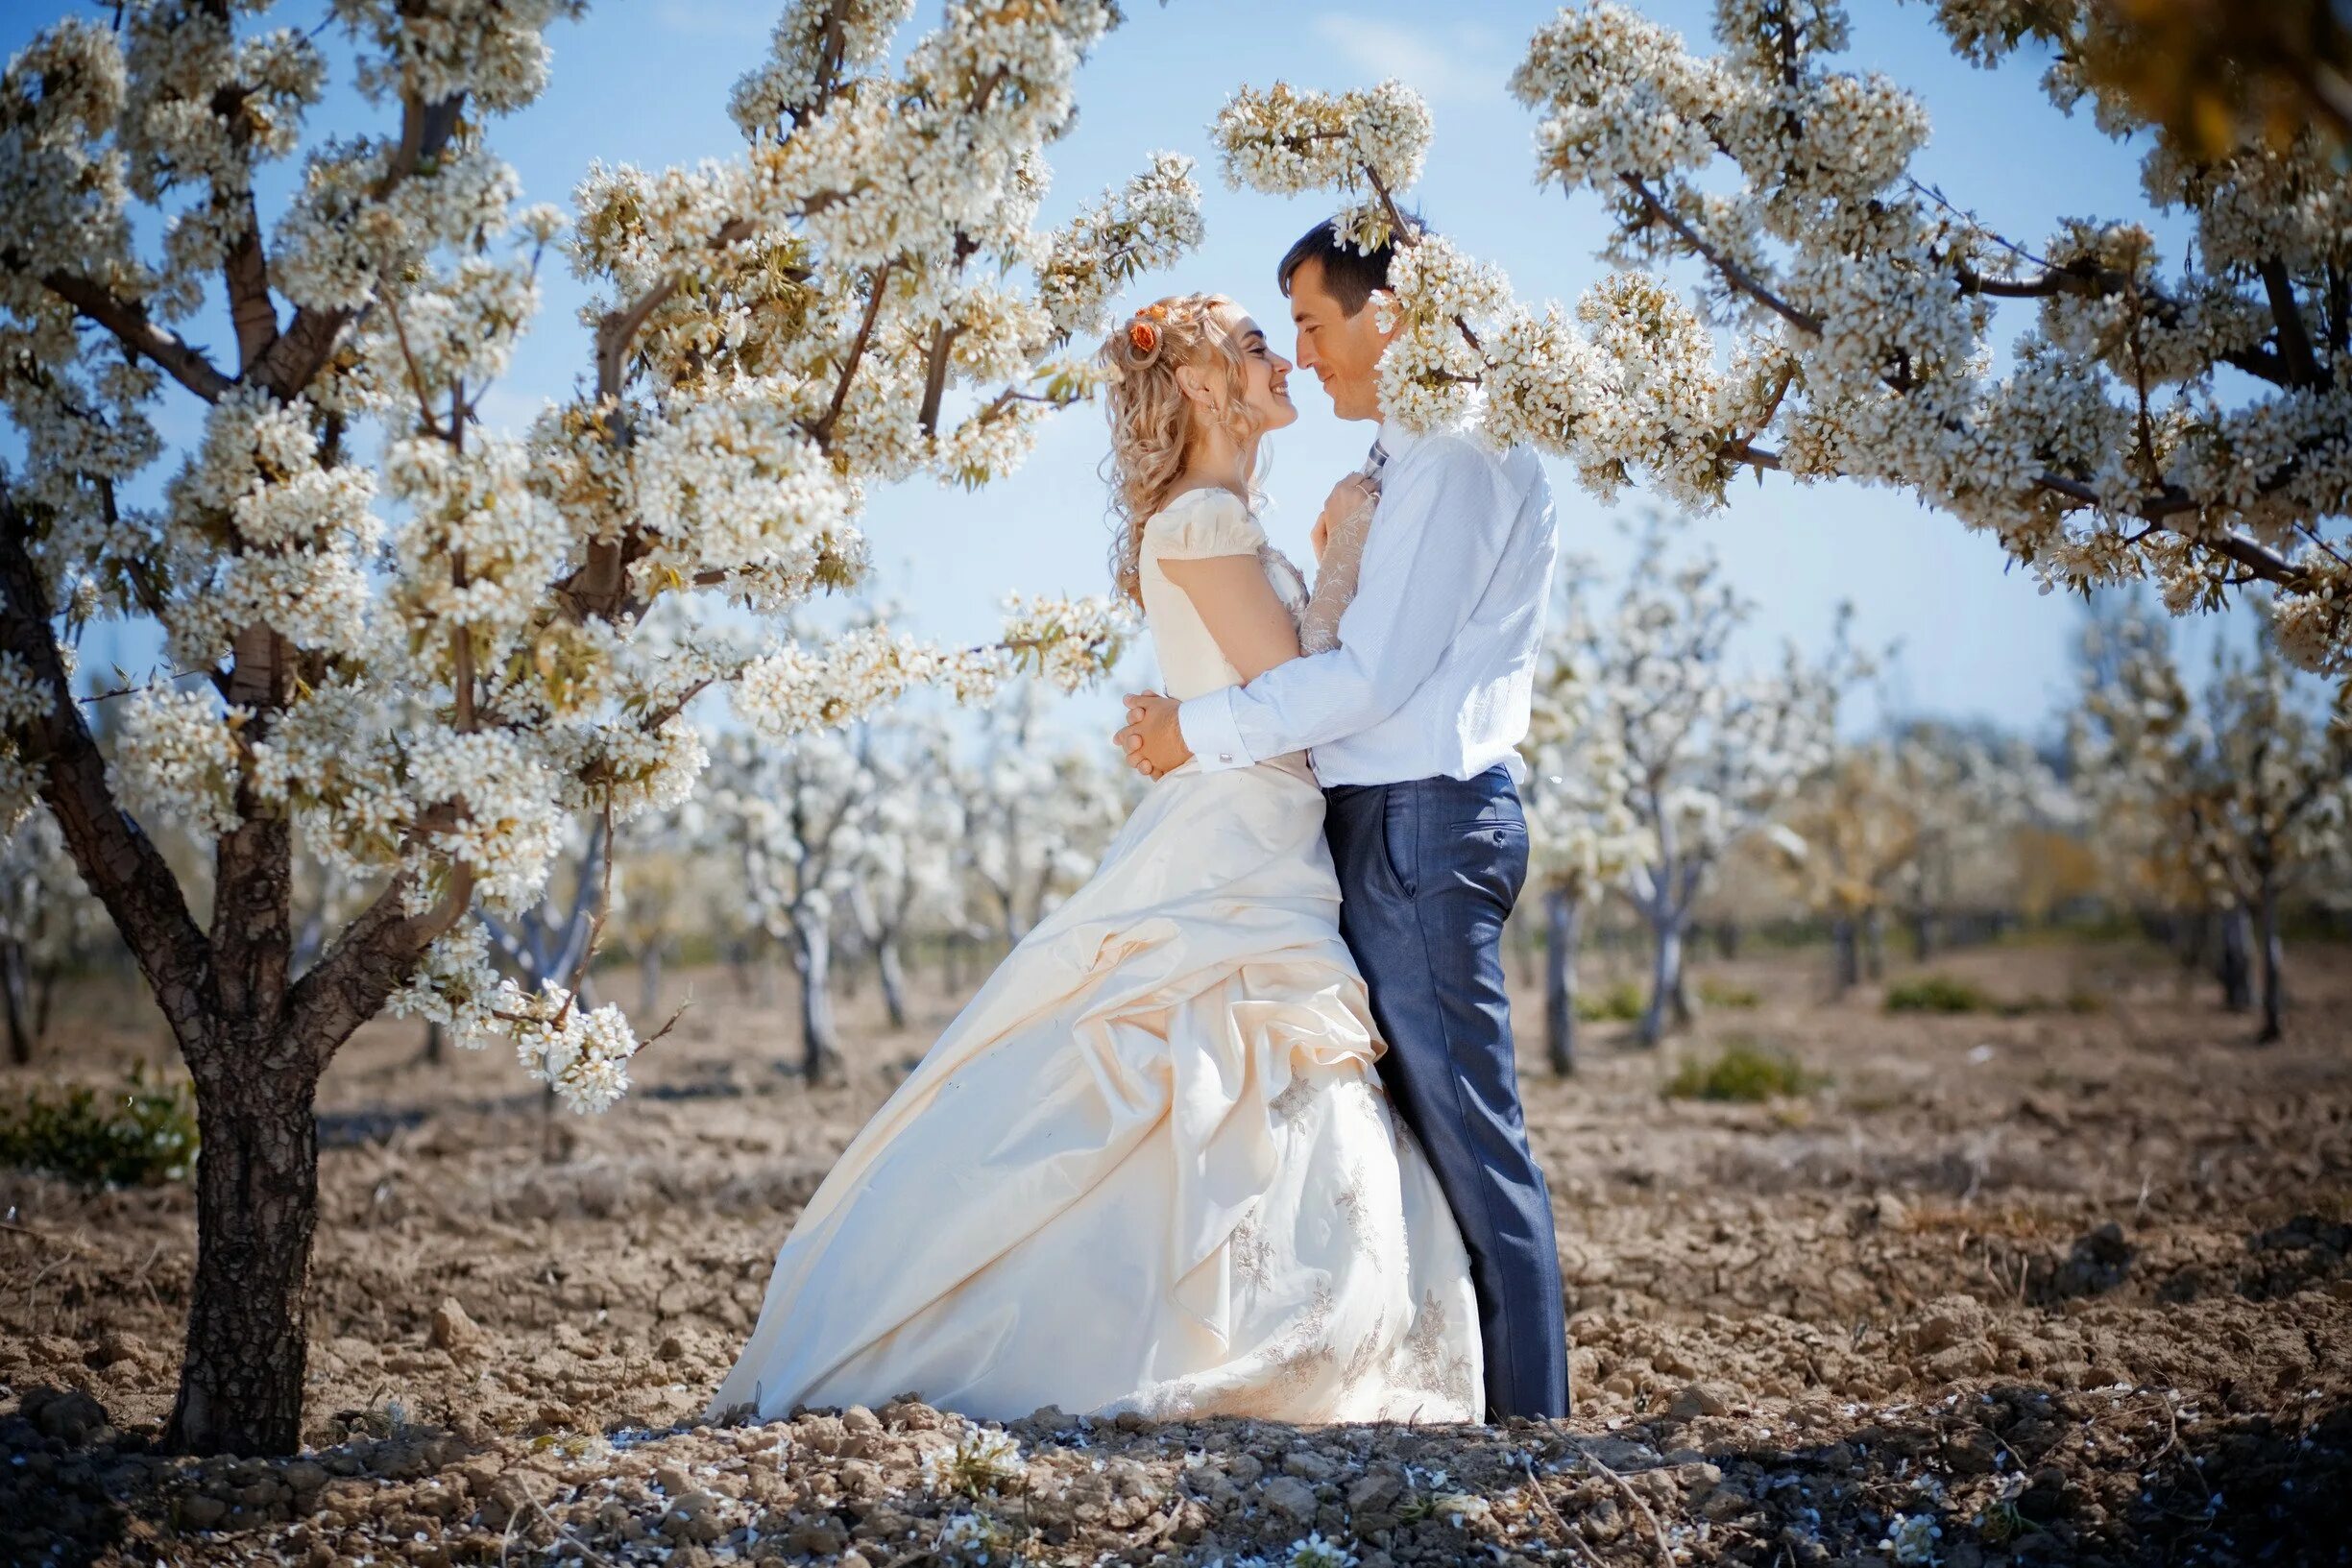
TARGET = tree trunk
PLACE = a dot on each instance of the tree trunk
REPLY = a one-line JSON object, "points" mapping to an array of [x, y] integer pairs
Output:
{"points": [[1666, 984], [1874, 943], [1564, 916], [1727, 938], [893, 971], [1845, 939], [436, 1047], [2237, 960], [2274, 969], [14, 1000], [256, 1207], [1923, 936], [813, 957]]}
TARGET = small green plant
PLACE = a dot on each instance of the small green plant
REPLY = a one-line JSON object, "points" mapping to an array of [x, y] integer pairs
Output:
{"points": [[141, 1135], [1725, 995], [1936, 994], [1621, 1003], [1743, 1073]]}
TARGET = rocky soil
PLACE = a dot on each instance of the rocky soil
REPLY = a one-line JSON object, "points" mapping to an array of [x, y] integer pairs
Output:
{"points": [[2054, 1286]]}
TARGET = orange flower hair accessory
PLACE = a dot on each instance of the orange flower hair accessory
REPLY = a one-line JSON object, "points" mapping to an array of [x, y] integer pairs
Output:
{"points": [[1142, 336]]}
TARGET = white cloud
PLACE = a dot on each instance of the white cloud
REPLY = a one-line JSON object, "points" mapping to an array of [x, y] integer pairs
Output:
{"points": [[1465, 64]]}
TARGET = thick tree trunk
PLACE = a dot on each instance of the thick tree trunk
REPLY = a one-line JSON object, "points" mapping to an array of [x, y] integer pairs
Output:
{"points": [[2273, 970], [893, 971], [1845, 940], [256, 1207], [813, 957], [1563, 917], [2236, 962], [1667, 995]]}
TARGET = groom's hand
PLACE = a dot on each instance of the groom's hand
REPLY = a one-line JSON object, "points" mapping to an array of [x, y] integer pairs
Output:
{"points": [[1153, 743]]}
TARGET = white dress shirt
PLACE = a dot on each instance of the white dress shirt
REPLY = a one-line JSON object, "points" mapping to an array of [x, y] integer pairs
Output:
{"points": [[1435, 665]]}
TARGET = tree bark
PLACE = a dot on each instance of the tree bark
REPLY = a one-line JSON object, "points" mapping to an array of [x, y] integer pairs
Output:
{"points": [[1666, 984], [893, 969], [2237, 964], [16, 997], [256, 1208], [436, 1048], [813, 957], [2274, 969], [1563, 918]]}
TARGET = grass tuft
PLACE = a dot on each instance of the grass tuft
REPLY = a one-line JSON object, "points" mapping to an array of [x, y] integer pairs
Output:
{"points": [[141, 1135], [1744, 1074], [1937, 994]]}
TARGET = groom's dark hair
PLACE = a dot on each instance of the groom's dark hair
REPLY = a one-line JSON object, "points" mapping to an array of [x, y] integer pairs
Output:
{"points": [[1349, 274]]}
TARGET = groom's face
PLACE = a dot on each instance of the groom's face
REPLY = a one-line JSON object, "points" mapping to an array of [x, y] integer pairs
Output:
{"points": [[1340, 347]]}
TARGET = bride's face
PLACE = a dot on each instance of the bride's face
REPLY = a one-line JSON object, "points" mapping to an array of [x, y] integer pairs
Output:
{"points": [[1266, 390]]}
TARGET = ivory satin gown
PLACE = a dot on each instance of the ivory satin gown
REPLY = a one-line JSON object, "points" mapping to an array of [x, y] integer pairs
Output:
{"points": [[1149, 1167]]}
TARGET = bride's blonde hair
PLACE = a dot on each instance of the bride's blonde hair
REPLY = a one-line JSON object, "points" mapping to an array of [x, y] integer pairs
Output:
{"points": [[1152, 422]]}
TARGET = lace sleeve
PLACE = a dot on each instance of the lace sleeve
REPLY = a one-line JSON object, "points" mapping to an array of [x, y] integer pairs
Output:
{"points": [[1335, 580]]}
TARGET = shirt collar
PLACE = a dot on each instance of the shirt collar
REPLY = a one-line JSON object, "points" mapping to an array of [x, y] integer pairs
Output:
{"points": [[1396, 441]]}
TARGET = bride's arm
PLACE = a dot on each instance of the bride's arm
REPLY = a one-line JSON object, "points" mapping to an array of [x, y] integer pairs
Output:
{"points": [[1235, 601]]}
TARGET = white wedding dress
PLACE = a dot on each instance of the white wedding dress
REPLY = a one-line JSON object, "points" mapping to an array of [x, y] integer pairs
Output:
{"points": [[1149, 1167]]}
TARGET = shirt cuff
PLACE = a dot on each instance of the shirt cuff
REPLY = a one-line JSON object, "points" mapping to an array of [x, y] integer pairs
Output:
{"points": [[1210, 731]]}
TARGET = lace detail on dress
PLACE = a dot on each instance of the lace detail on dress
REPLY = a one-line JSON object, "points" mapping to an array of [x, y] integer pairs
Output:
{"points": [[1335, 580]]}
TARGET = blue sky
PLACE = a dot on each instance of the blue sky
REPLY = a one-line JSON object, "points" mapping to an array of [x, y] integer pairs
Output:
{"points": [[645, 82]]}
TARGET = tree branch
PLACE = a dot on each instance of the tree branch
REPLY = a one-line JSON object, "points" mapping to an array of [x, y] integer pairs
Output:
{"points": [[129, 323], [116, 859], [374, 956], [821, 430], [1732, 271], [295, 357], [2293, 338]]}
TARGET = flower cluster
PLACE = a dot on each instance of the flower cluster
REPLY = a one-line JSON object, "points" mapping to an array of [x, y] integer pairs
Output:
{"points": [[1285, 141], [434, 647], [2115, 450]]}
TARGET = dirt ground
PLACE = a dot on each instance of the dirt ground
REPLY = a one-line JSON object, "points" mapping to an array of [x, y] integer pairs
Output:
{"points": [[2048, 1286]]}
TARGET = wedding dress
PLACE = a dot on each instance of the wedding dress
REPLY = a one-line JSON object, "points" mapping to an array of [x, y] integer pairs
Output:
{"points": [[1149, 1166]]}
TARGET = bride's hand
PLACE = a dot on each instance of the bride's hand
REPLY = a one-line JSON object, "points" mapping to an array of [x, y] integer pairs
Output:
{"points": [[1345, 497]]}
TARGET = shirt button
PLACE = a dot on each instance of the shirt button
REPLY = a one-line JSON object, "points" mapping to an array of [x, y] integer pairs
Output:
{"points": [[1225, 757]]}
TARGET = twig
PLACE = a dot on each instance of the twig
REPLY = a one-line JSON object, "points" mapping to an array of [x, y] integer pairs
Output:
{"points": [[1658, 1531]]}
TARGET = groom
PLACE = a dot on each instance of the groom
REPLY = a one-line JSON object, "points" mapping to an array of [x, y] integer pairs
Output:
{"points": [[1414, 721]]}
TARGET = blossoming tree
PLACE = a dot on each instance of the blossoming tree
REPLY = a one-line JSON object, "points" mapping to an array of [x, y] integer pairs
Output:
{"points": [[2248, 781], [905, 870], [858, 296], [1705, 752], [2182, 426], [48, 924], [1584, 837], [1035, 814]]}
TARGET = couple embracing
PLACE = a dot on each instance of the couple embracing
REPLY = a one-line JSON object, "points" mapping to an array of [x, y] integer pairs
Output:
{"points": [[1236, 1129]]}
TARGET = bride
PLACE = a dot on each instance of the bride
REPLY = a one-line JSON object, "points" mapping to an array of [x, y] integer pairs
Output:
{"points": [[1149, 1167]]}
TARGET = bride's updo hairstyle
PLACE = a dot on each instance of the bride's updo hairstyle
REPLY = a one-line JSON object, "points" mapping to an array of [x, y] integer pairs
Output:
{"points": [[1152, 422]]}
